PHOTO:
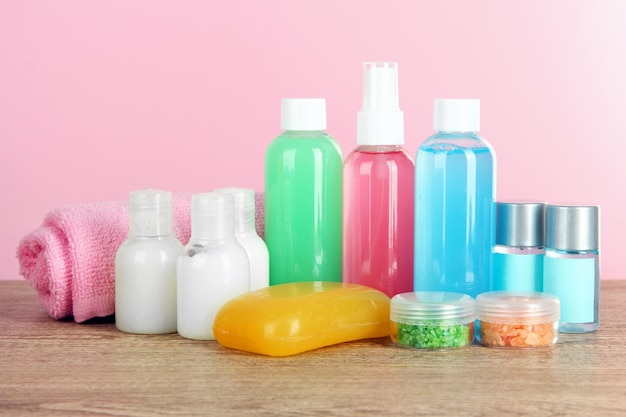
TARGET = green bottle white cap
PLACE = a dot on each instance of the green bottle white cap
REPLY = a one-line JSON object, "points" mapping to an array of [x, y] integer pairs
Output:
{"points": [[302, 114]]}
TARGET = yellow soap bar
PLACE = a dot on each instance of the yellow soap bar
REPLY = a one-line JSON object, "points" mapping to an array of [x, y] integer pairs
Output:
{"points": [[286, 319]]}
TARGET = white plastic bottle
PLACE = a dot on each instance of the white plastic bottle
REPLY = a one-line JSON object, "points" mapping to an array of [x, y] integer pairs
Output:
{"points": [[213, 268], [145, 267], [246, 235]]}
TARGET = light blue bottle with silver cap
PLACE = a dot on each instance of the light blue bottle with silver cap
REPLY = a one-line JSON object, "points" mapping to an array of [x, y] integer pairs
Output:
{"points": [[519, 251], [571, 269]]}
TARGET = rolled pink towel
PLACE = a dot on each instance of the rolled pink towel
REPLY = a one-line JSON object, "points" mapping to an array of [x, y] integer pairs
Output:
{"points": [[70, 258]]}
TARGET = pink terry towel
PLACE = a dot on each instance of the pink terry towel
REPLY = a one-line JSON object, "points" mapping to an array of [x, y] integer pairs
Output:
{"points": [[70, 258]]}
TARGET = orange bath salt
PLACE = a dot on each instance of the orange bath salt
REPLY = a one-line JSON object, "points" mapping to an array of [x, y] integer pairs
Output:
{"points": [[517, 335], [517, 319]]}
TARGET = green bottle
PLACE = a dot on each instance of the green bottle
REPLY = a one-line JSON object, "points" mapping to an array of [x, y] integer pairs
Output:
{"points": [[303, 197]]}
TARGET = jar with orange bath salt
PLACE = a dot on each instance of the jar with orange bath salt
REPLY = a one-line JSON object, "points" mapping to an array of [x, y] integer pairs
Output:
{"points": [[508, 319]]}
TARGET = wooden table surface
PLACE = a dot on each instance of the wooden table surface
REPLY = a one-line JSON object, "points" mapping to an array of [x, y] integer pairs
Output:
{"points": [[60, 368]]}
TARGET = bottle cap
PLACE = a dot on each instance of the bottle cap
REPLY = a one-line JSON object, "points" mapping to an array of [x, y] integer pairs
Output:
{"points": [[303, 114], [572, 228], [456, 115], [244, 199], [517, 307], [429, 307], [380, 121], [520, 223], [150, 213], [212, 216]]}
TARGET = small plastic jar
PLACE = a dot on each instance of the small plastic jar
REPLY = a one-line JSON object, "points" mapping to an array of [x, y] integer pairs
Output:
{"points": [[432, 320], [507, 319]]}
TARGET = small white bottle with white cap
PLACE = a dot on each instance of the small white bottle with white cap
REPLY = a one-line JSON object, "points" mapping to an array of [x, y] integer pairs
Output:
{"points": [[145, 267], [455, 173], [246, 235], [303, 190], [213, 268]]}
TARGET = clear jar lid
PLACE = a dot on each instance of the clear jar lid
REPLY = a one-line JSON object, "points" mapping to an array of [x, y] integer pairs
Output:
{"points": [[517, 306], [432, 307]]}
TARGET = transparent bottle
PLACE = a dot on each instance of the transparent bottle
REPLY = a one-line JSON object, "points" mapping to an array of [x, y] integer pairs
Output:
{"points": [[213, 268], [246, 235], [145, 267], [378, 185], [519, 250], [303, 190], [455, 172], [571, 267]]}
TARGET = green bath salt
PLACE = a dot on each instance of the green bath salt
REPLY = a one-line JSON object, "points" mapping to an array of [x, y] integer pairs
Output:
{"points": [[432, 320], [434, 337]]}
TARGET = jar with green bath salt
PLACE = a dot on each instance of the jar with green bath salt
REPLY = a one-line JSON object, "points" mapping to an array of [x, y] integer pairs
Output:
{"points": [[432, 320]]}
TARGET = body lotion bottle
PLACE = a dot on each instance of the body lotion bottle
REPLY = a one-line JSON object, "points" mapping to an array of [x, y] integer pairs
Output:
{"points": [[571, 267], [378, 181], [145, 267], [519, 251], [247, 237], [213, 269]]}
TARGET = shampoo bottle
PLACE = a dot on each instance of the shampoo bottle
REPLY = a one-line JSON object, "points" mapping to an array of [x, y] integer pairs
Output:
{"points": [[378, 181], [571, 267], [519, 250], [145, 267], [213, 268], [455, 173], [303, 190], [247, 237]]}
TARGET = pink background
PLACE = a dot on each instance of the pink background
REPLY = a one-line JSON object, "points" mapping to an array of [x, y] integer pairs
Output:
{"points": [[99, 98]]}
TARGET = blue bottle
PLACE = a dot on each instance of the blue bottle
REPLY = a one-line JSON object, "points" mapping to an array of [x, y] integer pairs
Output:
{"points": [[519, 251], [571, 267], [455, 173]]}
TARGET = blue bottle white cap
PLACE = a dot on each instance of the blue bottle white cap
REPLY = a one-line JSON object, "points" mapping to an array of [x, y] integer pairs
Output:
{"points": [[302, 114], [456, 115]]}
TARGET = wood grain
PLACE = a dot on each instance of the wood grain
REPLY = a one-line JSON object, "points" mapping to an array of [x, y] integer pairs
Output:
{"points": [[56, 368]]}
